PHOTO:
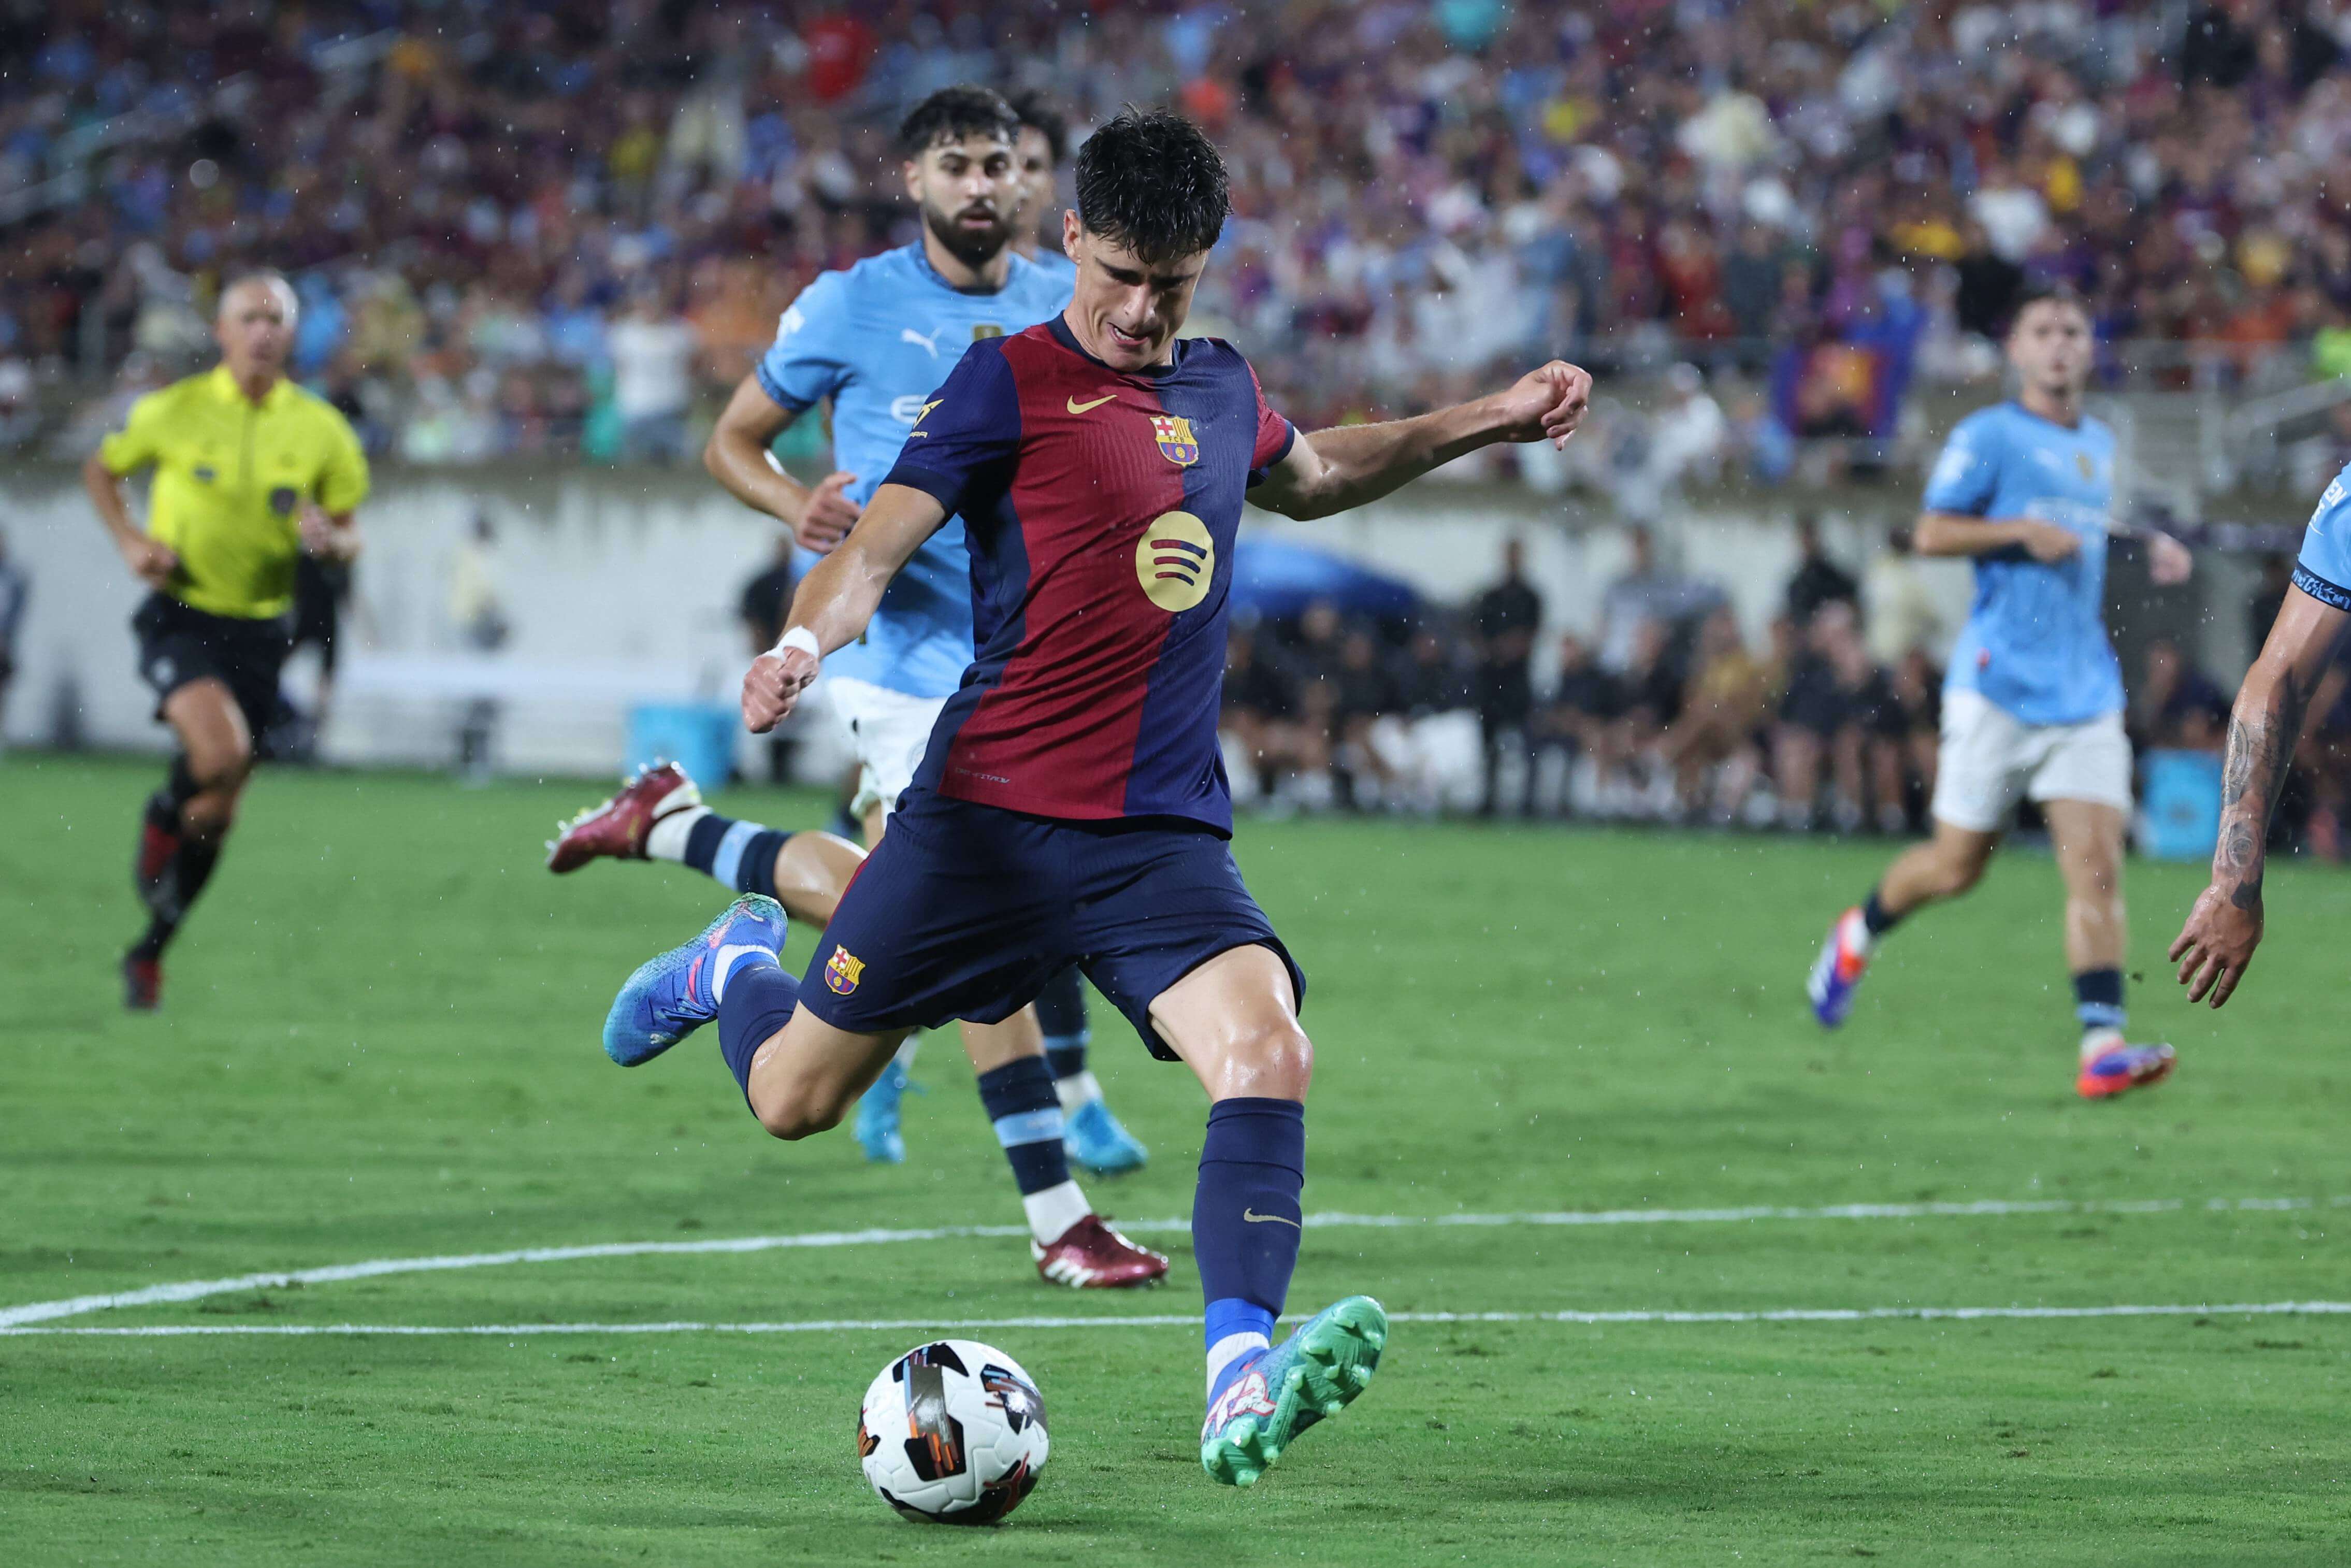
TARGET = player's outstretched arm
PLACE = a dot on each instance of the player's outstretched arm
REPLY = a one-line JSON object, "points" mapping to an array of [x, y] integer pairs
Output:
{"points": [[2214, 947], [1332, 470], [736, 456], [837, 599]]}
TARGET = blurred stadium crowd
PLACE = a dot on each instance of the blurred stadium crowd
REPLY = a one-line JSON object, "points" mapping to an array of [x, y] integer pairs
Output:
{"points": [[1662, 710], [524, 227]]}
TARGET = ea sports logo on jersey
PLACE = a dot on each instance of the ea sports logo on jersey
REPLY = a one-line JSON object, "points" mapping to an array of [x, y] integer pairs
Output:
{"points": [[1175, 560], [1176, 442]]}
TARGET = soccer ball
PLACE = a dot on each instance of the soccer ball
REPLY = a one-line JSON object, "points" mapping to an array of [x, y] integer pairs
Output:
{"points": [[953, 1433]]}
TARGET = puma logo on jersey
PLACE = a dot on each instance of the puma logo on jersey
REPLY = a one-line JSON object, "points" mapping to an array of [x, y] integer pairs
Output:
{"points": [[1077, 407], [908, 335]]}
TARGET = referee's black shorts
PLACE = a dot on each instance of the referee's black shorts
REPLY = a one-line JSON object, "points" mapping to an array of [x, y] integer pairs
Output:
{"points": [[178, 643]]}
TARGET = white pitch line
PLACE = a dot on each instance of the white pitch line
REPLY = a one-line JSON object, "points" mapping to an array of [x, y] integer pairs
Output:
{"points": [[373, 1268], [1171, 1319]]}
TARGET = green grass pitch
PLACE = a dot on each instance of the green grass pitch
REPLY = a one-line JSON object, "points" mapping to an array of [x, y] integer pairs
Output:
{"points": [[379, 1042]]}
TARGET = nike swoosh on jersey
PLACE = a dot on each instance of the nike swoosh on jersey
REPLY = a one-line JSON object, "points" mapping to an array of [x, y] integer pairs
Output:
{"points": [[1254, 1217], [1077, 407]]}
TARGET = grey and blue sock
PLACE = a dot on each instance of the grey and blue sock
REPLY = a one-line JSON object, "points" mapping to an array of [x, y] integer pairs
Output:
{"points": [[1021, 1106]]}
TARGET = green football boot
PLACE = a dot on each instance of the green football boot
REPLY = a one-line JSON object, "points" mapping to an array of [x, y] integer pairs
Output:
{"points": [[1282, 1390]]}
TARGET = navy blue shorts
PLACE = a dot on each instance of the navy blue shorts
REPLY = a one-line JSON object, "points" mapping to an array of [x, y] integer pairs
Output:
{"points": [[966, 911]]}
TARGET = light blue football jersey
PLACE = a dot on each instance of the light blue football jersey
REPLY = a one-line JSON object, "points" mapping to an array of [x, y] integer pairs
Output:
{"points": [[1058, 263], [2323, 572], [874, 341], [2035, 641]]}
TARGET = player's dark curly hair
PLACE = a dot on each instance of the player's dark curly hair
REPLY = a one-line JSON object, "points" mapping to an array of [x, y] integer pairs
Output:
{"points": [[1154, 185], [952, 114], [1035, 110], [2044, 293]]}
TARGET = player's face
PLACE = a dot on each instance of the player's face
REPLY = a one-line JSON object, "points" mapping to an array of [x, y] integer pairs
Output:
{"points": [[969, 192], [1035, 155], [256, 327], [1125, 310], [2050, 347]]}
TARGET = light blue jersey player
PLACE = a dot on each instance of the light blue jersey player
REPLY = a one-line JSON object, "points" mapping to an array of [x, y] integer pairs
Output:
{"points": [[871, 343], [2032, 703], [2217, 942]]}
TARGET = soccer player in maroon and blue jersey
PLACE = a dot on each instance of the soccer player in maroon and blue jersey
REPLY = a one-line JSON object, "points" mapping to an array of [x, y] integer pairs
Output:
{"points": [[1072, 805]]}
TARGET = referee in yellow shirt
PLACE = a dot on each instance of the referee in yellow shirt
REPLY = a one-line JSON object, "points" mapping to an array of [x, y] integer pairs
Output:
{"points": [[250, 471]]}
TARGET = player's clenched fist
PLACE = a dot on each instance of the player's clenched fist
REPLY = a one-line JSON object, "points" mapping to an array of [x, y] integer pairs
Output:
{"points": [[1547, 403], [773, 685], [828, 516]]}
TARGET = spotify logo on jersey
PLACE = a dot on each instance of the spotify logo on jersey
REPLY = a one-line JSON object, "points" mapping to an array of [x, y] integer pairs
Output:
{"points": [[1175, 560]]}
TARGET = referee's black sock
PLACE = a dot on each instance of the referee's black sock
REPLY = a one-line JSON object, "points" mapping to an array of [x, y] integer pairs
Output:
{"points": [[190, 869]]}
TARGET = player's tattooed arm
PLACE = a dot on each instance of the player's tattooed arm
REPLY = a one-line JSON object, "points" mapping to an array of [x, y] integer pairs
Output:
{"points": [[836, 599], [1332, 470], [2215, 944], [738, 456]]}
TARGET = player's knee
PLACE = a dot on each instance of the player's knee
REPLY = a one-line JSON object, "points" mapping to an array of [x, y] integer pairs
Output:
{"points": [[794, 1112], [1273, 1061], [219, 767]]}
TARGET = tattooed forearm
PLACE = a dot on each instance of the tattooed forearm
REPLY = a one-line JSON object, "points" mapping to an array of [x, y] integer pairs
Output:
{"points": [[2261, 735]]}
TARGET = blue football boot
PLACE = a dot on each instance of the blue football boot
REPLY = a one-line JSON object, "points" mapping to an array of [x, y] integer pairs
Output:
{"points": [[1279, 1392], [1096, 1140], [670, 994], [877, 1116]]}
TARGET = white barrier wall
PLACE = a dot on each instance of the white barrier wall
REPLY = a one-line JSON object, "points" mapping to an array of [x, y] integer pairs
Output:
{"points": [[621, 587]]}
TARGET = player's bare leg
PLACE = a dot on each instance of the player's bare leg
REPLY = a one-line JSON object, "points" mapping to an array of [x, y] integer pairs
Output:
{"points": [[186, 823], [1944, 866], [2089, 838], [1234, 1022]]}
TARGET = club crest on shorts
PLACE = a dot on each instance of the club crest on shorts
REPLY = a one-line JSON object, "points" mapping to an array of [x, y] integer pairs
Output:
{"points": [[1176, 442], [1176, 561], [841, 972]]}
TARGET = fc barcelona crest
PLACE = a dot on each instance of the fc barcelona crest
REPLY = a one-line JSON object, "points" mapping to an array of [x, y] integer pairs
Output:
{"points": [[841, 972], [1176, 442]]}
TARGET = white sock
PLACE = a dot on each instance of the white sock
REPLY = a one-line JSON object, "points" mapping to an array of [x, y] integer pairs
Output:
{"points": [[728, 957], [2098, 1040], [1078, 1088], [1855, 934], [1052, 1211], [1230, 1349], [666, 840]]}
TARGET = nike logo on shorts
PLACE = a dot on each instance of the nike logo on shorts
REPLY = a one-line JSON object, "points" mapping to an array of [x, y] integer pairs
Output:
{"points": [[1254, 1217]]}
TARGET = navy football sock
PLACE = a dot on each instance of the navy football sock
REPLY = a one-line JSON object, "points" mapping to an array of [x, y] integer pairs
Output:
{"points": [[1020, 1100], [755, 1002], [1245, 1223], [1875, 916], [1061, 1008], [2098, 998], [742, 855]]}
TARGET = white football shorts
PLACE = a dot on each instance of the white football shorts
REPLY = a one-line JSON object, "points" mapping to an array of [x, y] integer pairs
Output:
{"points": [[1990, 759], [888, 732]]}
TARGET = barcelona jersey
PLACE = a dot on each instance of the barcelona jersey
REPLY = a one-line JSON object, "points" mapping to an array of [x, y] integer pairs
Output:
{"points": [[1100, 507]]}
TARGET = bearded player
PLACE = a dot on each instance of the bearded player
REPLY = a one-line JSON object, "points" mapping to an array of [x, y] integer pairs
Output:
{"points": [[2033, 705], [1071, 805], [873, 342]]}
